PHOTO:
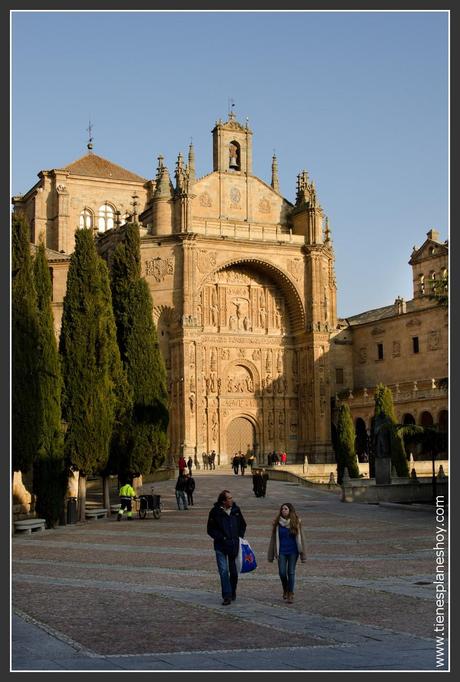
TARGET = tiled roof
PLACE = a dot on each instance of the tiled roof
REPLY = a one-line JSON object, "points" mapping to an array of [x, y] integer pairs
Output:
{"points": [[379, 313], [51, 255], [95, 166]]}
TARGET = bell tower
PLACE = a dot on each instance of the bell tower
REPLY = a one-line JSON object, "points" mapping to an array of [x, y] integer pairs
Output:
{"points": [[232, 147]]}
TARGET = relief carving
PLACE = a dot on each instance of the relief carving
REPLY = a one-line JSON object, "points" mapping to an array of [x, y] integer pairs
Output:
{"points": [[235, 197], [396, 349], [205, 260], [363, 355], [205, 200], [295, 268], [264, 206], [159, 268], [434, 339]]}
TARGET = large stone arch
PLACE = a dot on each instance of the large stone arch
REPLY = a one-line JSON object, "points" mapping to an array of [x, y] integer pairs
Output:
{"points": [[287, 287]]}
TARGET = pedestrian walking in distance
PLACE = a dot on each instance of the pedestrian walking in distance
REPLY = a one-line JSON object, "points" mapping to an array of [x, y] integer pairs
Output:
{"points": [[189, 465], [287, 543], [180, 491], [226, 525], [189, 488], [127, 494], [236, 463], [243, 463]]}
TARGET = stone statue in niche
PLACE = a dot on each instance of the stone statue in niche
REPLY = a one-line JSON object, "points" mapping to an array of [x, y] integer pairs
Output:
{"points": [[214, 314], [268, 362], [262, 310], [213, 360], [270, 425], [192, 402], [230, 384], [268, 383], [256, 354], [279, 362], [281, 425], [232, 322], [213, 383], [246, 324], [249, 384], [215, 425]]}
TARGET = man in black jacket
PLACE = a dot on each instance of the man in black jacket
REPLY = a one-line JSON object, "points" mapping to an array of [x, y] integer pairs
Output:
{"points": [[226, 525]]}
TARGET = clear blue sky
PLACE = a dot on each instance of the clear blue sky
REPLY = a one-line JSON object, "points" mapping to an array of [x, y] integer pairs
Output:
{"points": [[359, 99]]}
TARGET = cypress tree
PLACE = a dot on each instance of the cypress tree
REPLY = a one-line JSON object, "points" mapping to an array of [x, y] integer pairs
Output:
{"points": [[91, 362], [141, 356], [50, 476], [346, 454], [25, 408], [384, 406]]}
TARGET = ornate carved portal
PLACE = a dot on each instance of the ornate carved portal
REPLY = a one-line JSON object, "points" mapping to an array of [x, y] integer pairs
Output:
{"points": [[244, 373]]}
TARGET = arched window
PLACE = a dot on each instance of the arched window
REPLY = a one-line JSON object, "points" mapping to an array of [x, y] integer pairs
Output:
{"points": [[421, 281], [86, 219], [105, 220], [432, 279]]}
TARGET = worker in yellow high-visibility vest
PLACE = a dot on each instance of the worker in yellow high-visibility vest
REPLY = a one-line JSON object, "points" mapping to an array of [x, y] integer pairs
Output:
{"points": [[127, 494]]}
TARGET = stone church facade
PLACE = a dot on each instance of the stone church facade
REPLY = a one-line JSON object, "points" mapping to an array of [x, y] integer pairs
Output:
{"points": [[244, 295]]}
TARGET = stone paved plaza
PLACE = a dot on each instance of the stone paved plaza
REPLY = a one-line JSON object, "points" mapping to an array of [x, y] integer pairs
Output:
{"points": [[145, 595]]}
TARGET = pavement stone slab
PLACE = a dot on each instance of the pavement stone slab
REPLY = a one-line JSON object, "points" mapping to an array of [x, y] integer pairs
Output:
{"points": [[357, 606]]}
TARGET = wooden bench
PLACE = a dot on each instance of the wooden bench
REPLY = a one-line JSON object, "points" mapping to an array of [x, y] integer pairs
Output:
{"points": [[29, 525], [96, 513], [115, 508]]}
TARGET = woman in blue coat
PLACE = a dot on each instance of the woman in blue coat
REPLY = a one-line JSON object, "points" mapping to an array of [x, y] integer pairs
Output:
{"points": [[287, 543]]}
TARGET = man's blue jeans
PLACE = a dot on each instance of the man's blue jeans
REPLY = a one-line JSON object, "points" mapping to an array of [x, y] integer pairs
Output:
{"points": [[286, 567], [228, 574], [180, 496]]}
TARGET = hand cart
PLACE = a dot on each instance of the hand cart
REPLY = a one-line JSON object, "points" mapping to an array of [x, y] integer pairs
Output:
{"points": [[149, 503]]}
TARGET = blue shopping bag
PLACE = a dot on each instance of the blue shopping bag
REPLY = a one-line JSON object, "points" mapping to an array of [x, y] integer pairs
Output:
{"points": [[246, 559]]}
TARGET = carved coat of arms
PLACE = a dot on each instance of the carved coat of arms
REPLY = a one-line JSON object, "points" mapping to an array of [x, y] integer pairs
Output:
{"points": [[159, 268]]}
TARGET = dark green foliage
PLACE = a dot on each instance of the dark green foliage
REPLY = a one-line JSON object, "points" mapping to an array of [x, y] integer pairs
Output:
{"points": [[90, 359], [50, 380], [384, 406], [440, 290], [137, 339], [346, 455], [50, 474], [25, 409]]}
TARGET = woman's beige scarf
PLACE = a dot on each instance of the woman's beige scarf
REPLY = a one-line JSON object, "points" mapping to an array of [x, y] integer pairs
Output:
{"points": [[286, 523]]}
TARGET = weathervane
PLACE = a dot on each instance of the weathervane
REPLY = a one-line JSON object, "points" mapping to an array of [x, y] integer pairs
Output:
{"points": [[90, 141]]}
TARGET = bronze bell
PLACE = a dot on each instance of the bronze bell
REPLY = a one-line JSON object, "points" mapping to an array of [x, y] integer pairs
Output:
{"points": [[233, 162]]}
